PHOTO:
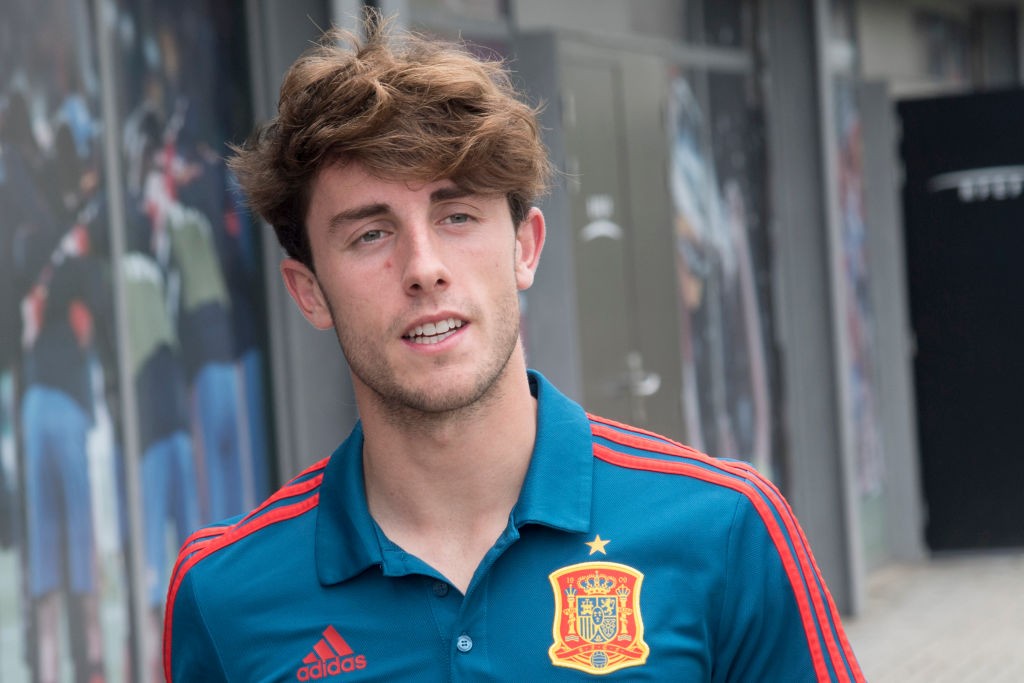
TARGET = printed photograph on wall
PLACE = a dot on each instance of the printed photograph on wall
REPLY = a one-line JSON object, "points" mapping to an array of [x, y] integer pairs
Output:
{"points": [[713, 181], [64, 593], [192, 277], [857, 316], [862, 382]]}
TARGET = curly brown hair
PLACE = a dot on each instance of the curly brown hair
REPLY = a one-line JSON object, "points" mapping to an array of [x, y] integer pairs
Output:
{"points": [[403, 106]]}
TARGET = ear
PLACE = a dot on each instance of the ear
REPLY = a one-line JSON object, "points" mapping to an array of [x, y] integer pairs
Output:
{"points": [[529, 244], [305, 290]]}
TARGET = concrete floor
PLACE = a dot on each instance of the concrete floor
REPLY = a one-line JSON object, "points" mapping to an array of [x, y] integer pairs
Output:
{"points": [[954, 618]]}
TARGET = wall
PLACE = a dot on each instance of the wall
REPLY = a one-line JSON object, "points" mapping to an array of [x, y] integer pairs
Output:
{"points": [[921, 47], [134, 388]]}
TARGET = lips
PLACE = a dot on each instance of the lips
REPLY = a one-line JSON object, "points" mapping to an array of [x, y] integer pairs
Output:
{"points": [[433, 332]]}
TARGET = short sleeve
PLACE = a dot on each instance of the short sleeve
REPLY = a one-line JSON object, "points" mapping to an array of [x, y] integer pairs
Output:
{"points": [[778, 621], [189, 651]]}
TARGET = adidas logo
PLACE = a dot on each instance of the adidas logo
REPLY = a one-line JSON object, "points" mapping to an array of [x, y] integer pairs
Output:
{"points": [[331, 656]]}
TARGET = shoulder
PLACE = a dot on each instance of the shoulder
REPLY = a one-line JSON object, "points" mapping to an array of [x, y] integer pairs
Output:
{"points": [[692, 488], [633, 449], [229, 570], [776, 611], [238, 542]]}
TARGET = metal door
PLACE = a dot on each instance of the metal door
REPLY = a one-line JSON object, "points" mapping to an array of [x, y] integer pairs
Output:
{"points": [[964, 207], [618, 381]]}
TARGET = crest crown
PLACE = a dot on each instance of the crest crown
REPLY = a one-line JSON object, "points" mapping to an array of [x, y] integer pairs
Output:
{"points": [[597, 584]]}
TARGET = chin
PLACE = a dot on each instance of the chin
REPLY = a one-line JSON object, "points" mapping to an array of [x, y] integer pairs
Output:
{"points": [[431, 400], [435, 394]]}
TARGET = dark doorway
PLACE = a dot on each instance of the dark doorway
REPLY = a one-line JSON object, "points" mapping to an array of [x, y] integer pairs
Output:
{"points": [[964, 221]]}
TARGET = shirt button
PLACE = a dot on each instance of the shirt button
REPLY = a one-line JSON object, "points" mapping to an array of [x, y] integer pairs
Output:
{"points": [[464, 643], [440, 589]]}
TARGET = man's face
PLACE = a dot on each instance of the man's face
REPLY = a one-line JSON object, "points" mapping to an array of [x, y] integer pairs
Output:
{"points": [[419, 281]]}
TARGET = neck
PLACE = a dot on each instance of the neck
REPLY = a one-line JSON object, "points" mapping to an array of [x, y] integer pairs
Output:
{"points": [[442, 486]]}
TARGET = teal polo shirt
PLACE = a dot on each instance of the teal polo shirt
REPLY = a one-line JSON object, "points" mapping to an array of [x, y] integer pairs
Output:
{"points": [[627, 557]]}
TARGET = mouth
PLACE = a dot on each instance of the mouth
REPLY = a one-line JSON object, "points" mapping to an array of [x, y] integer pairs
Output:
{"points": [[433, 332]]}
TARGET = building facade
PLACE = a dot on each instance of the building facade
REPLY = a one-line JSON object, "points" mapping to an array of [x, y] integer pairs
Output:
{"points": [[725, 265]]}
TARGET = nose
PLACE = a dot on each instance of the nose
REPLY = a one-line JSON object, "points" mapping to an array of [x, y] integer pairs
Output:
{"points": [[424, 268]]}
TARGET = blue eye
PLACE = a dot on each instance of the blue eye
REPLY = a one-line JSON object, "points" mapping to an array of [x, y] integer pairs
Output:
{"points": [[371, 236], [458, 218]]}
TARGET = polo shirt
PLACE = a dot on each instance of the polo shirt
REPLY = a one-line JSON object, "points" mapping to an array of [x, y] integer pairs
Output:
{"points": [[627, 556]]}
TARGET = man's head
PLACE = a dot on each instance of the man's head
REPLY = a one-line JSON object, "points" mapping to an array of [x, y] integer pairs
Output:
{"points": [[404, 108]]}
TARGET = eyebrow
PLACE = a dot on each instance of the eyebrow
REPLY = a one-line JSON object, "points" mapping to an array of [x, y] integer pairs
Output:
{"points": [[446, 193], [359, 213]]}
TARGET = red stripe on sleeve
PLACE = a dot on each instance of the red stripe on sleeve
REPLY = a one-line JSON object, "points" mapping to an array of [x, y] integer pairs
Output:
{"points": [[797, 570], [286, 491], [809, 567], [237, 533], [203, 536], [844, 643]]}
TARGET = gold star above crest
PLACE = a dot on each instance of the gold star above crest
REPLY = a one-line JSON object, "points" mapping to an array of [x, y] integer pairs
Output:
{"points": [[597, 545]]}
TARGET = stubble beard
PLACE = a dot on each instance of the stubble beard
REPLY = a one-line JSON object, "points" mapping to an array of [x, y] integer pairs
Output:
{"points": [[408, 405]]}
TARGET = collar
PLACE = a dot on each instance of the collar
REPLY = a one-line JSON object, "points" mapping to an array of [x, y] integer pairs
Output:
{"points": [[556, 493]]}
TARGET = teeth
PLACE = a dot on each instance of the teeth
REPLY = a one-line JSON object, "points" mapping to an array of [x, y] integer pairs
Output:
{"points": [[432, 333]]}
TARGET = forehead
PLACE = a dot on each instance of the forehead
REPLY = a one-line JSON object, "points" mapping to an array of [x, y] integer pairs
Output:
{"points": [[345, 187], [352, 183]]}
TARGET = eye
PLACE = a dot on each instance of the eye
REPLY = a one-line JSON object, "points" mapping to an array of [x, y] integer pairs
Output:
{"points": [[370, 236], [457, 218]]}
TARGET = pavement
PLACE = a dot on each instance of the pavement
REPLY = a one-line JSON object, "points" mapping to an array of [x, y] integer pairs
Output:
{"points": [[954, 618]]}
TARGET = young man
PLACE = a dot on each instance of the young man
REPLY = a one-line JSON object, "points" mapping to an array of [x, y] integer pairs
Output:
{"points": [[476, 524]]}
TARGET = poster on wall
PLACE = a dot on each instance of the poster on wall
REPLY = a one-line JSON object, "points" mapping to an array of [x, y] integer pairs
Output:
{"points": [[187, 265], [64, 593], [192, 276], [726, 376], [856, 318]]}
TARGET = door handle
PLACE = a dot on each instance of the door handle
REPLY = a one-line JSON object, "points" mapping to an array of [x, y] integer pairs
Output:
{"points": [[639, 382]]}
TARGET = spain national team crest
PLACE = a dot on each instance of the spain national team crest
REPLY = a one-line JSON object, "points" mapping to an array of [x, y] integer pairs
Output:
{"points": [[597, 628]]}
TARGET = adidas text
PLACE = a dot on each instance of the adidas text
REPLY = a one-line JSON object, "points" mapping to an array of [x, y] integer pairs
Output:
{"points": [[330, 667]]}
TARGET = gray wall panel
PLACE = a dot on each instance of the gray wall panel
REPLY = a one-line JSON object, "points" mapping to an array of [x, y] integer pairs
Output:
{"points": [[814, 478], [313, 401]]}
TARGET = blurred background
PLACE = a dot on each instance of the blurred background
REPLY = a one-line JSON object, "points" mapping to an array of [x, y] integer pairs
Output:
{"points": [[785, 231]]}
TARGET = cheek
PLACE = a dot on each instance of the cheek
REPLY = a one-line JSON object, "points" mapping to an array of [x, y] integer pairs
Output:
{"points": [[373, 298], [495, 271], [363, 302], [495, 262]]}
